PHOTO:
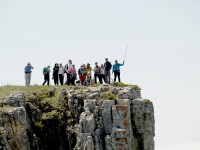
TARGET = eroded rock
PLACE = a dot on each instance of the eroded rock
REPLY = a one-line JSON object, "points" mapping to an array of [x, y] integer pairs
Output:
{"points": [[84, 119]]}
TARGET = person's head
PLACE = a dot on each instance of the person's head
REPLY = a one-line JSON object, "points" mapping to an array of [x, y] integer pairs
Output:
{"points": [[70, 61], [102, 66], [28, 63], [48, 66], [60, 64], [96, 63], [83, 65], [88, 65], [106, 59], [56, 65], [73, 66], [116, 61]]}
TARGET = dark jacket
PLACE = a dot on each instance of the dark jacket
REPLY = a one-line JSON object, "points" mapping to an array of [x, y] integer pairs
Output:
{"points": [[55, 70], [107, 66]]}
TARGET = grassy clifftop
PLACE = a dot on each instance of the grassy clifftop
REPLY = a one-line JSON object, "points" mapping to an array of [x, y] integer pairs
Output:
{"points": [[26, 90], [7, 90]]}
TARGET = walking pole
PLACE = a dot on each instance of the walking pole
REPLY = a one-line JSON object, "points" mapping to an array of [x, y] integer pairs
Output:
{"points": [[126, 52]]}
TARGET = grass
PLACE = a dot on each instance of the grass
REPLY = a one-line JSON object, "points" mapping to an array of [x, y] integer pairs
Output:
{"points": [[109, 96], [50, 115], [121, 84], [6, 108], [135, 87], [7, 90], [39, 124]]}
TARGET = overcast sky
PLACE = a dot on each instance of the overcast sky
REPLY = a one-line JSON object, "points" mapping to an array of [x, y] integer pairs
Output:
{"points": [[163, 54]]}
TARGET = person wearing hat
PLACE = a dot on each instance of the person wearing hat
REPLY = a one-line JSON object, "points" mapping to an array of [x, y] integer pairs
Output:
{"points": [[107, 66], [28, 70], [116, 70], [46, 72]]}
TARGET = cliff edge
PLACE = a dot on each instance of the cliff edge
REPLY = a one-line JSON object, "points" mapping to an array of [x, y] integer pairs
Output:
{"points": [[103, 117]]}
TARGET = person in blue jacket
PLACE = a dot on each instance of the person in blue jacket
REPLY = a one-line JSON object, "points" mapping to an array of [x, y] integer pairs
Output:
{"points": [[28, 70], [116, 70]]}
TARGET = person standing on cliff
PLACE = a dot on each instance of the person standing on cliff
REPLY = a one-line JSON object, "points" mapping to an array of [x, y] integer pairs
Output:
{"points": [[73, 75], [96, 73], [28, 70], [61, 73], [102, 74], [116, 70], [55, 73], [67, 70], [46, 72], [107, 66]]}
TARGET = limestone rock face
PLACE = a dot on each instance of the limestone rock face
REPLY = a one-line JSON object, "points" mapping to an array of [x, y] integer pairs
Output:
{"points": [[14, 124], [105, 117]]}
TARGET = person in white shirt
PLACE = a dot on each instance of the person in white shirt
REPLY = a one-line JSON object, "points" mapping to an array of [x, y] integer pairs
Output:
{"points": [[61, 72], [102, 74], [68, 67]]}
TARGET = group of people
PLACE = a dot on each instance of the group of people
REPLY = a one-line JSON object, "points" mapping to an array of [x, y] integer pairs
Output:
{"points": [[83, 75]]}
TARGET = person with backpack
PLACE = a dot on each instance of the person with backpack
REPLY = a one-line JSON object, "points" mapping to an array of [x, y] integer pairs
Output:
{"points": [[96, 73], [107, 66], [116, 70], [28, 70], [46, 72], [55, 74]]}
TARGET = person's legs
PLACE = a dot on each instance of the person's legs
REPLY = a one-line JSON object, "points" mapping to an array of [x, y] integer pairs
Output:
{"points": [[29, 78], [115, 75], [106, 76], [109, 77], [100, 78], [56, 79], [95, 78], [26, 79], [44, 80], [47, 79], [73, 80], [119, 76], [61, 79], [68, 78]]}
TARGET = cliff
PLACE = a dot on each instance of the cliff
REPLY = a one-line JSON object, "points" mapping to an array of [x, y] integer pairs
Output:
{"points": [[104, 117]]}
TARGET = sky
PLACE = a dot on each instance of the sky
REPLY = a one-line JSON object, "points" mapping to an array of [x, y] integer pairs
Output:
{"points": [[163, 51]]}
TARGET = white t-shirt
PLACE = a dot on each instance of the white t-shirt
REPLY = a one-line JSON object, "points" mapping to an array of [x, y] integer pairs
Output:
{"points": [[61, 70], [102, 71], [68, 67]]}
